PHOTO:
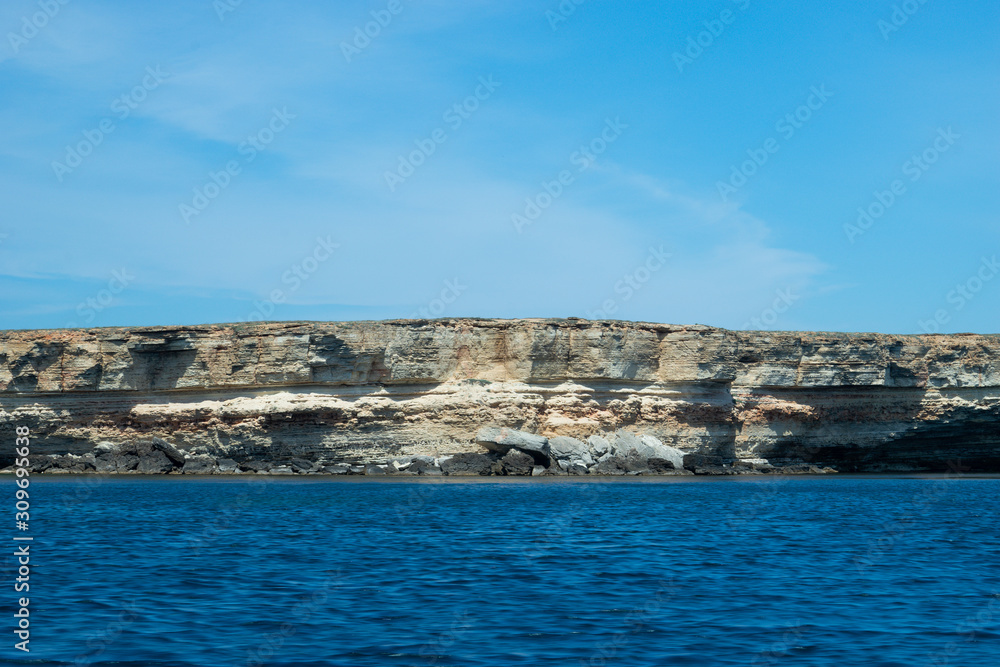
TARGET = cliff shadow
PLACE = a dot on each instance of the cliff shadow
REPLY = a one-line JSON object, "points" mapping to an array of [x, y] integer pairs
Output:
{"points": [[878, 430]]}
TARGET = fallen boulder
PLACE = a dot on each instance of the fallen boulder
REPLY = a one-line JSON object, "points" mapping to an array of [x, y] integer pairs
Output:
{"points": [[613, 465], [661, 466], [400, 464], [623, 442], [105, 448], [646, 446], [199, 464], [65, 462], [424, 466], [516, 462], [599, 446], [171, 452], [116, 462], [657, 450], [695, 461], [255, 465], [73, 463], [636, 463], [39, 462], [502, 440], [85, 463], [155, 463], [565, 448], [302, 465], [468, 464]]}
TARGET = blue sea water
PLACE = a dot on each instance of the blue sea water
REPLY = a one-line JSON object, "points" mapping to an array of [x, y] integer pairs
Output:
{"points": [[751, 571]]}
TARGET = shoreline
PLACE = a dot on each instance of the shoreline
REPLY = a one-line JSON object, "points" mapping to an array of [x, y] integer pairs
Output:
{"points": [[512, 397], [485, 479]]}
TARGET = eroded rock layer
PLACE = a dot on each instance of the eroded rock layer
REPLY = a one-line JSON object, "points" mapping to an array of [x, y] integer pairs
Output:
{"points": [[362, 393]]}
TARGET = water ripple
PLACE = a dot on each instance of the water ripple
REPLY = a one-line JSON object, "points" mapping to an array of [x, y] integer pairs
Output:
{"points": [[803, 571]]}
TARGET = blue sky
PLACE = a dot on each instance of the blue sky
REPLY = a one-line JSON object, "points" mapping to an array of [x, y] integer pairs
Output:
{"points": [[703, 162]]}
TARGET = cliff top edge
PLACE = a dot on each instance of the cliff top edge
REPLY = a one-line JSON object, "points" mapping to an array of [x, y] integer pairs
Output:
{"points": [[568, 322]]}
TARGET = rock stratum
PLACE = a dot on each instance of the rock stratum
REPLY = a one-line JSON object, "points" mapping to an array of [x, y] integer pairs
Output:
{"points": [[482, 396]]}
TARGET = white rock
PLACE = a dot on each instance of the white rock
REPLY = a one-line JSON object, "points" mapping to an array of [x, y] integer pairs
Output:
{"points": [[503, 439], [106, 448], [598, 445], [657, 449], [565, 448], [623, 442]]}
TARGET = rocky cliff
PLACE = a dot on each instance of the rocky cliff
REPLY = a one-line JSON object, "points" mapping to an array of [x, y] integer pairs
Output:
{"points": [[364, 393]]}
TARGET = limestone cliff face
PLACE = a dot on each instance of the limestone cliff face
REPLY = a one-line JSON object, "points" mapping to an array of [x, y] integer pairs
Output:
{"points": [[363, 391]]}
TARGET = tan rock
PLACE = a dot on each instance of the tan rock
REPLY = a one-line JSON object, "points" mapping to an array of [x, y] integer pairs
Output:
{"points": [[366, 391]]}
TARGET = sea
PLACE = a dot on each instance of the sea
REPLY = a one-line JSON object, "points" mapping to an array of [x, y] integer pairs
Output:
{"points": [[264, 570]]}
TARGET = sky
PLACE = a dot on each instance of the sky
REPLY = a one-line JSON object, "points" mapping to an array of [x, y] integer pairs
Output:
{"points": [[785, 166]]}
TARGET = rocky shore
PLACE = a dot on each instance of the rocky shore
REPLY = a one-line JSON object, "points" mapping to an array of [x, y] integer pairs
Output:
{"points": [[509, 452], [500, 397]]}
